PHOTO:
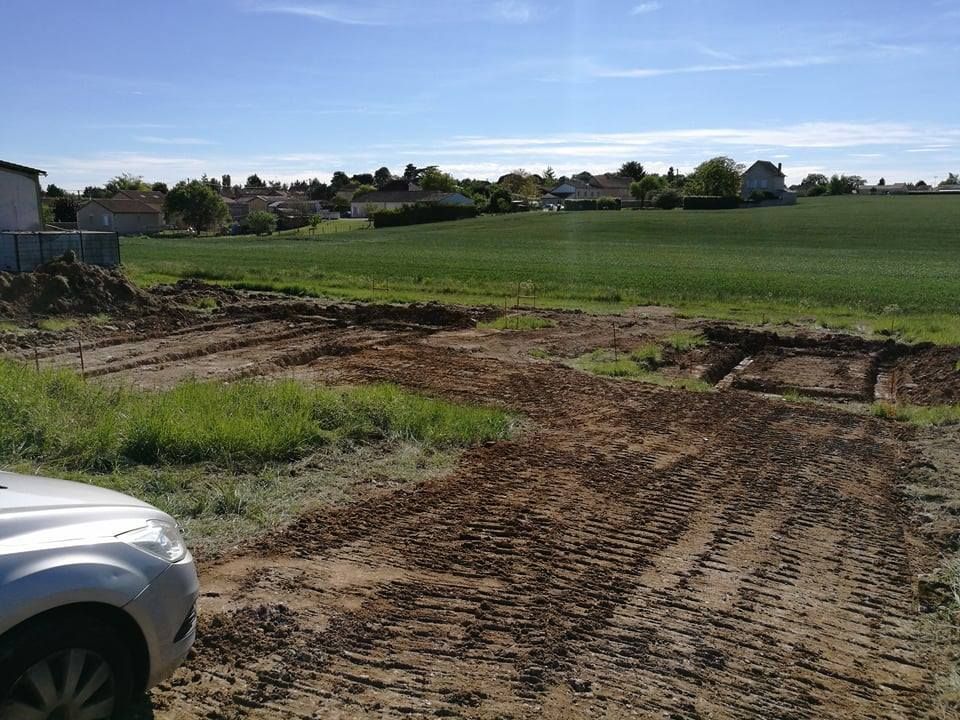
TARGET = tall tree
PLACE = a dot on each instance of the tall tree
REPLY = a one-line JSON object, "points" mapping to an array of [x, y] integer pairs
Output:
{"points": [[125, 181], [55, 192], [549, 177], [632, 169], [882, 182], [381, 177], [718, 176], [255, 181], [197, 204], [411, 173], [434, 179], [641, 188], [65, 209], [94, 192], [160, 187], [225, 181], [339, 181], [363, 179]]}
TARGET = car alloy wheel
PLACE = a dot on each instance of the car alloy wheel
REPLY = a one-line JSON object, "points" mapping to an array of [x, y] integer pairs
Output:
{"points": [[74, 684]]}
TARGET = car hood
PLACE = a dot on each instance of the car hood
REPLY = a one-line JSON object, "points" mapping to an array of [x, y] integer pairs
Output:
{"points": [[19, 493], [38, 511]]}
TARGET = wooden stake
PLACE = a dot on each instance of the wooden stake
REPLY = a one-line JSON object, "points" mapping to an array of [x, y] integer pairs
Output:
{"points": [[615, 342], [83, 369]]}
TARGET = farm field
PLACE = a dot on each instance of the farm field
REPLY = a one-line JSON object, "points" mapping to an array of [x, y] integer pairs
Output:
{"points": [[881, 264], [407, 511]]}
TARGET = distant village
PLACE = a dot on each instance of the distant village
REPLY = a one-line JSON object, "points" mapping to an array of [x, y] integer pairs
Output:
{"points": [[129, 206]]}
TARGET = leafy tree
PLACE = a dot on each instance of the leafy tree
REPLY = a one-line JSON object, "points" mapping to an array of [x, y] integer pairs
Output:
{"points": [[668, 199], [381, 177], [197, 204], [675, 179], [65, 209], [921, 185], [225, 181], [94, 192], [952, 179], [882, 182], [434, 179], [341, 204], [411, 173], [255, 181], [641, 188], [339, 181], [363, 189], [817, 191], [160, 187], [549, 178], [261, 222], [632, 169], [319, 190], [315, 221], [718, 176], [843, 185], [46, 214], [501, 200], [55, 192], [520, 182], [363, 179], [125, 181]]}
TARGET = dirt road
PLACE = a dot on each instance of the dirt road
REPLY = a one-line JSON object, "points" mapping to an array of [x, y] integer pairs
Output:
{"points": [[637, 552]]}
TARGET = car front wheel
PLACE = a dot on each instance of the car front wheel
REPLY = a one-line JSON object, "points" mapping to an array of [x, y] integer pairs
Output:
{"points": [[57, 672]]}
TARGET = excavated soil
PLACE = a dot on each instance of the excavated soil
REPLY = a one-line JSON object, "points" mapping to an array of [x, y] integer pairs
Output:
{"points": [[930, 376], [634, 552], [67, 287]]}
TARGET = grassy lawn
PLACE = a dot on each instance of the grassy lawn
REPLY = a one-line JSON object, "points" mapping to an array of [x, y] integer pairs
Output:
{"points": [[228, 460], [887, 264]]}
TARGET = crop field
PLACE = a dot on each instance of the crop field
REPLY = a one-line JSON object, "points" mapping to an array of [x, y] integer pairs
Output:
{"points": [[886, 264]]}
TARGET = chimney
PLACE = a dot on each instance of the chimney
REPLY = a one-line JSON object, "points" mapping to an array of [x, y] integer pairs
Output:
{"points": [[780, 167]]}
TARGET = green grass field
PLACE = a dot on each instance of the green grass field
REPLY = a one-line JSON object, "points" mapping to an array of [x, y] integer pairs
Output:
{"points": [[886, 264]]}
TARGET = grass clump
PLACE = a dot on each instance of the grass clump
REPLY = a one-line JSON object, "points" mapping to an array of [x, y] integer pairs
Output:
{"points": [[55, 324], [55, 417], [649, 355], [517, 322], [204, 303], [540, 354], [919, 415], [608, 364], [684, 341]]}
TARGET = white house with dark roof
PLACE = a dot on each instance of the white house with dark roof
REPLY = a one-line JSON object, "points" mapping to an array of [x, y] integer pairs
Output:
{"points": [[362, 205], [763, 176], [20, 197]]}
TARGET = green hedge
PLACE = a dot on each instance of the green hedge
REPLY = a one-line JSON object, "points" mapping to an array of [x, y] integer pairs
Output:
{"points": [[421, 213], [604, 203], [710, 202]]}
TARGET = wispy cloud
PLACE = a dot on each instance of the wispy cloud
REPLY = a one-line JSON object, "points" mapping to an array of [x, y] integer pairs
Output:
{"points": [[513, 11], [645, 7], [381, 12], [783, 63], [329, 12], [158, 140]]}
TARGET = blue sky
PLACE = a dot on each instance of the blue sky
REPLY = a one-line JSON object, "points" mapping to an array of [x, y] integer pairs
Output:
{"points": [[300, 88]]}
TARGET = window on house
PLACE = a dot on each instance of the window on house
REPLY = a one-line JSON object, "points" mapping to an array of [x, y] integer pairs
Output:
{"points": [[106, 220]]}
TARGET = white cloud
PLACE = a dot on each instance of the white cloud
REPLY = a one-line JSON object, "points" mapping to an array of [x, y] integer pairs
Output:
{"points": [[783, 63], [645, 7], [512, 11], [157, 140], [329, 12]]}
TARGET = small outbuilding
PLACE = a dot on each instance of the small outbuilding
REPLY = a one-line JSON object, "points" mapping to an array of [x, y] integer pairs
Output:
{"points": [[362, 205], [121, 215], [20, 198]]}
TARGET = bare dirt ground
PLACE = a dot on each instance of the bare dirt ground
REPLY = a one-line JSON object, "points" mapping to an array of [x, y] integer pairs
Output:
{"points": [[635, 552]]}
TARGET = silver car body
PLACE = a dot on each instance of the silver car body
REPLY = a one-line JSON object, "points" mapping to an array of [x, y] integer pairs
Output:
{"points": [[59, 547]]}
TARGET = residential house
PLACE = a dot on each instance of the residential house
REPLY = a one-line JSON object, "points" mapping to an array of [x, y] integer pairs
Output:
{"points": [[362, 205], [153, 197], [610, 185], [764, 176], [121, 215], [20, 197]]}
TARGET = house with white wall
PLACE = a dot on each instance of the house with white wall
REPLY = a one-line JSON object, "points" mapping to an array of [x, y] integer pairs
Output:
{"points": [[20, 197]]}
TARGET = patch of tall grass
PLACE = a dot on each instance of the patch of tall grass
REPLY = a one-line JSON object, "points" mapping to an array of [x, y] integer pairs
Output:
{"points": [[606, 363], [517, 322], [917, 414], [55, 417]]}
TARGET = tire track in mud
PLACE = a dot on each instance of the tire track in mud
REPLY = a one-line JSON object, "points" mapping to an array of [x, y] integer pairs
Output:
{"points": [[638, 551]]}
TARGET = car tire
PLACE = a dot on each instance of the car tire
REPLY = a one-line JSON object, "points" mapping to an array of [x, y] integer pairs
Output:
{"points": [[69, 661]]}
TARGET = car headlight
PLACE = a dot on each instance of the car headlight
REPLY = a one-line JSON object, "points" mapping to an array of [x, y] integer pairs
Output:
{"points": [[160, 538]]}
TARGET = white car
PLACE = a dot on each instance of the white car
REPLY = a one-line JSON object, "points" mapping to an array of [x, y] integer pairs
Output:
{"points": [[97, 599]]}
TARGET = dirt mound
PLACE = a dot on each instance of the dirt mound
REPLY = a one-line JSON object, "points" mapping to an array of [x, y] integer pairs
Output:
{"points": [[376, 315], [929, 376], [65, 286]]}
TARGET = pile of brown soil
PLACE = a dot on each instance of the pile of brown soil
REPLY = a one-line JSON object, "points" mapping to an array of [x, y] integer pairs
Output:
{"points": [[929, 376], [67, 287]]}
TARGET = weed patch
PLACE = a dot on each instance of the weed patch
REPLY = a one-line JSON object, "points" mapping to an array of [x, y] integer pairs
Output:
{"points": [[517, 322]]}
